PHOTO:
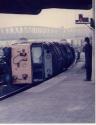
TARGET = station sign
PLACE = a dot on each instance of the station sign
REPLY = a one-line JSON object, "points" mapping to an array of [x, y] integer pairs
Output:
{"points": [[82, 20]]}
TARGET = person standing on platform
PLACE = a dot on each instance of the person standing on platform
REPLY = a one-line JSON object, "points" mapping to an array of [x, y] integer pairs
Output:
{"points": [[88, 59]]}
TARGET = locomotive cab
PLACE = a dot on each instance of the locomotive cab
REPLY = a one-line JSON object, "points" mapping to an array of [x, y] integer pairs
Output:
{"points": [[41, 61], [37, 62]]}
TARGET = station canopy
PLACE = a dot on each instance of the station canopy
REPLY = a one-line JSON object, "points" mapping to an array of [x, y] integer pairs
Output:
{"points": [[35, 6]]}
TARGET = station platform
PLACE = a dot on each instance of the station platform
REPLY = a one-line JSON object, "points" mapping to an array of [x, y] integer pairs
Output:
{"points": [[66, 98]]}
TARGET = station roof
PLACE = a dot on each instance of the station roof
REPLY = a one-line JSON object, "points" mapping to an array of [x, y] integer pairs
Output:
{"points": [[35, 6]]}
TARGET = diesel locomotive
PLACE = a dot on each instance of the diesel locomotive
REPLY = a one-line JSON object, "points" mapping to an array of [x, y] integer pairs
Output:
{"points": [[27, 63]]}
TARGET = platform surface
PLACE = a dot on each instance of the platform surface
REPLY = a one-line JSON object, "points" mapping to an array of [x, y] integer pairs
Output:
{"points": [[66, 98]]}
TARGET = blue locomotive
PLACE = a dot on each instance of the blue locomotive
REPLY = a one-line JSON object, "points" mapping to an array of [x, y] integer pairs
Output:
{"points": [[22, 65]]}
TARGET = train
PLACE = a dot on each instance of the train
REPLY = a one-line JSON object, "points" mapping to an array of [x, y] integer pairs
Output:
{"points": [[25, 64]]}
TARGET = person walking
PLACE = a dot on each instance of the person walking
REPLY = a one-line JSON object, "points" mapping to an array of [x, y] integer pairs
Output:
{"points": [[88, 59]]}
